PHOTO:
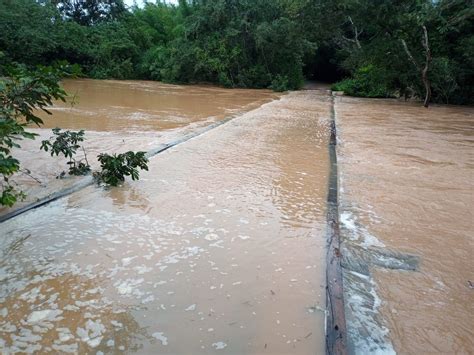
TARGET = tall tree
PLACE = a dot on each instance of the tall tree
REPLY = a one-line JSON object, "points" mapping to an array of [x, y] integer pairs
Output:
{"points": [[423, 69], [90, 12]]}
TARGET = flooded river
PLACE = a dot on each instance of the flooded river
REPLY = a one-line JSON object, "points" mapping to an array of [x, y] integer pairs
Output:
{"points": [[137, 106], [125, 115], [407, 197], [220, 247]]}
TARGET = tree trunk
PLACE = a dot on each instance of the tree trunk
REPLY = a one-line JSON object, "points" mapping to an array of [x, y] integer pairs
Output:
{"points": [[424, 73], [425, 69], [426, 82]]}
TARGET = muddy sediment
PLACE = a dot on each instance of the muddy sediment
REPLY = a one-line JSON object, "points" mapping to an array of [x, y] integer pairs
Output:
{"points": [[219, 247], [406, 197]]}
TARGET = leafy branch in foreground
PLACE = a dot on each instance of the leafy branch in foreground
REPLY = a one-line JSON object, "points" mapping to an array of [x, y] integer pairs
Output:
{"points": [[115, 167], [66, 143], [23, 94]]}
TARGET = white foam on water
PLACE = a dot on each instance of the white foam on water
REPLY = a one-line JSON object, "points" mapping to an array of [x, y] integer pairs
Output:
{"points": [[148, 299], [66, 348], [219, 345], [211, 237], [161, 337], [365, 311], [357, 232], [346, 218], [92, 333], [47, 314], [191, 308]]}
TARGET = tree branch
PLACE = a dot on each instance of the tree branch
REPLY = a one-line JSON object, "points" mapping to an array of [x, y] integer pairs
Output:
{"points": [[356, 33], [426, 45], [410, 56], [423, 70]]}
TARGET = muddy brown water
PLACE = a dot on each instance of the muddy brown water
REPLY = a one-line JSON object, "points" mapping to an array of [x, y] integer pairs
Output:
{"points": [[407, 185], [118, 116], [124, 106], [220, 247]]}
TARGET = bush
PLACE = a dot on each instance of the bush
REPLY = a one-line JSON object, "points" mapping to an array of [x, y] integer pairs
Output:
{"points": [[368, 81], [66, 143], [280, 83], [116, 167], [153, 62], [256, 76], [443, 79]]}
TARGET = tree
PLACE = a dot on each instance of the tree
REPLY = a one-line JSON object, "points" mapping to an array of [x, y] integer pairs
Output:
{"points": [[426, 67], [27, 31], [255, 43], [90, 12]]}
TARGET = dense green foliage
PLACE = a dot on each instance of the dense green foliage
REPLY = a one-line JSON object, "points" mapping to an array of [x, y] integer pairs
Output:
{"points": [[373, 35], [115, 167], [254, 43], [67, 143], [367, 81]]}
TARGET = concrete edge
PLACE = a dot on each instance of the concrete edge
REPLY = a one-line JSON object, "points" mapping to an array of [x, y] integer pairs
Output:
{"points": [[89, 180], [336, 329]]}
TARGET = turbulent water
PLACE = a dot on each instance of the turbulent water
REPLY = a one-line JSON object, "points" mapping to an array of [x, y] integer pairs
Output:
{"points": [[218, 248], [407, 197]]}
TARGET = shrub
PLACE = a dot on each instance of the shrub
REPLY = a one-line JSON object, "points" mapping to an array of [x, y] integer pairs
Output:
{"points": [[153, 62], [224, 80], [368, 81], [255, 76], [443, 79], [66, 143], [115, 167], [280, 83]]}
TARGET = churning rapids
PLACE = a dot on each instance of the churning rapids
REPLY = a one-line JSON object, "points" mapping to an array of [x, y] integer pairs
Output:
{"points": [[220, 247]]}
